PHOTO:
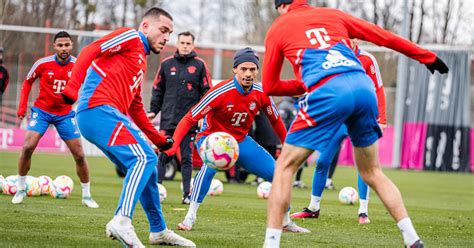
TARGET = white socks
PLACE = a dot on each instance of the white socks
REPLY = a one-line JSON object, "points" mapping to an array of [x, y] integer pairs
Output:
{"points": [[21, 184], [192, 211], [328, 181], [364, 206], [408, 231], [86, 189], [286, 218], [314, 205], [123, 220], [272, 238]]}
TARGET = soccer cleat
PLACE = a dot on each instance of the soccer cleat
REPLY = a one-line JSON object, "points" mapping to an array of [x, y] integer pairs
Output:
{"points": [[18, 198], [186, 200], [186, 224], [306, 213], [125, 234], [294, 228], [299, 185], [418, 244], [364, 218], [330, 186], [168, 237], [89, 202]]}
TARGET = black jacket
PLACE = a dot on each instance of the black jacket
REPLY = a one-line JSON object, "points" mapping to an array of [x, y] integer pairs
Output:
{"points": [[179, 85]]}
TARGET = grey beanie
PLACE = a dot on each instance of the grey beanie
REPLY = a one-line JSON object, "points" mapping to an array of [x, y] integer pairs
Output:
{"points": [[245, 55]]}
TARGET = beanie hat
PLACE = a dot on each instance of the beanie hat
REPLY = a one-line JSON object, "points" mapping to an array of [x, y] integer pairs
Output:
{"points": [[280, 2], [245, 55]]}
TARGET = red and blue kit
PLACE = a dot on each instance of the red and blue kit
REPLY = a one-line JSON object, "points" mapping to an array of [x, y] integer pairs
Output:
{"points": [[49, 108]]}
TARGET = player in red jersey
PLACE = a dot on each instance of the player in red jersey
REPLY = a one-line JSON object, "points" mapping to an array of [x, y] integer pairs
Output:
{"points": [[49, 109], [231, 107], [112, 70], [316, 41]]}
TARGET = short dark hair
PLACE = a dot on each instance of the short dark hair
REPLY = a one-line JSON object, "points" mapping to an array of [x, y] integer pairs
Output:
{"points": [[157, 11], [62, 34], [187, 33]]}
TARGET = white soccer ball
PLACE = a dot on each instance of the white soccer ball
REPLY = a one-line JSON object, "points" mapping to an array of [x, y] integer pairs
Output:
{"points": [[219, 151], [348, 195], [163, 192], [45, 184], [263, 190], [217, 188], [61, 187], [9, 185], [33, 187], [190, 186]]}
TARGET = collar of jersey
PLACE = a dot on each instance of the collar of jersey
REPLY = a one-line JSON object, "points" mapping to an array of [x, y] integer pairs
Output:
{"points": [[240, 89], [60, 62], [144, 40]]}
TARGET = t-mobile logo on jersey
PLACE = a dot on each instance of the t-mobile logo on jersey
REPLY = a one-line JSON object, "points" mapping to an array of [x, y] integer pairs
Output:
{"points": [[58, 86], [320, 36], [238, 118]]}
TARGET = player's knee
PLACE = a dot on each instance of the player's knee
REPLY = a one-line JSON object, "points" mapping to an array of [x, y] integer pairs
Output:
{"points": [[152, 159], [28, 149]]}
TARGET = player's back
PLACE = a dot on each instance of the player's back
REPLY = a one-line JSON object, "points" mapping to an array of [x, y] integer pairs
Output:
{"points": [[316, 41], [53, 76]]}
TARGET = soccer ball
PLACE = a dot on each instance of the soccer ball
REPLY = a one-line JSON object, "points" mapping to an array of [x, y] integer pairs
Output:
{"points": [[9, 185], [163, 192], [190, 186], [219, 151], [216, 188], [45, 184], [33, 187], [263, 190], [2, 179], [61, 187], [348, 195]]}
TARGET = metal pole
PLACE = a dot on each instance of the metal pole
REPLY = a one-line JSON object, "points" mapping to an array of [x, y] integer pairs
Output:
{"points": [[402, 77], [217, 64]]}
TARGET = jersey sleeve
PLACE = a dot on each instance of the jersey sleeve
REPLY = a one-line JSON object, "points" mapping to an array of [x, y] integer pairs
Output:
{"points": [[367, 31], [138, 115], [273, 115], [372, 70], [33, 74], [118, 41], [271, 69], [206, 79], [159, 88]]}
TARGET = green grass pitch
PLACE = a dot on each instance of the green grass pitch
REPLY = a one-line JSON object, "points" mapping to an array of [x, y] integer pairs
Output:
{"points": [[441, 206]]}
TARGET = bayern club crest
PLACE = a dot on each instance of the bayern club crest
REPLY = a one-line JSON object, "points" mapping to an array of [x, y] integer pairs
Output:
{"points": [[252, 105]]}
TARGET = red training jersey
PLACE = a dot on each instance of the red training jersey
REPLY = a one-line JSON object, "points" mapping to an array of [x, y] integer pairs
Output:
{"points": [[316, 41], [371, 67], [112, 70], [228, 109], [54, 76]]}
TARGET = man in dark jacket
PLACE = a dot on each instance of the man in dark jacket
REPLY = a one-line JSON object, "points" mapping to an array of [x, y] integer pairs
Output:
{"points": [[180, 83]]}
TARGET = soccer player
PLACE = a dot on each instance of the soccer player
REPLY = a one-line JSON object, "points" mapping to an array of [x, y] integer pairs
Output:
{"points": [[49, 109], [316, 42], [231, 107], [112, 71], [320, 176]]}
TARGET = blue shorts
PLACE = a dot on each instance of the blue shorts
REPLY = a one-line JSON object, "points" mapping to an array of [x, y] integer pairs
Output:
{"points": [[65, 124], [349, 99]]}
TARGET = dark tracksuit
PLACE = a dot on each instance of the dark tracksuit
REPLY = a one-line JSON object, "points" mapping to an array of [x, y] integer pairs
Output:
{"points": [[180, 83]]}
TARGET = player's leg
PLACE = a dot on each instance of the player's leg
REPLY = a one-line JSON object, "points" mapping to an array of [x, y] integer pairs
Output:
{"points": [[364, 192], [332, 169], [161, 166], [201, 185], [37, 125], [327, 155], [187, 164], [364, 132], [68, 131], [258, 161]]}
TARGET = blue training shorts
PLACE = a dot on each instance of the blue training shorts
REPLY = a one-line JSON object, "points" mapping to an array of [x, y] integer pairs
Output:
{"points": [[65, 124], [349, 99]]}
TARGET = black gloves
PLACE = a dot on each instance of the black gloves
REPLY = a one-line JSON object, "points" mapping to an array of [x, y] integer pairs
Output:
{"points": [[165, 159], [67, 100], [167, 145], [438, 65]]}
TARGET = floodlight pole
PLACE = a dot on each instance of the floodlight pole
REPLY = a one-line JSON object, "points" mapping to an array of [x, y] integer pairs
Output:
{"points": [[402, 78]]}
